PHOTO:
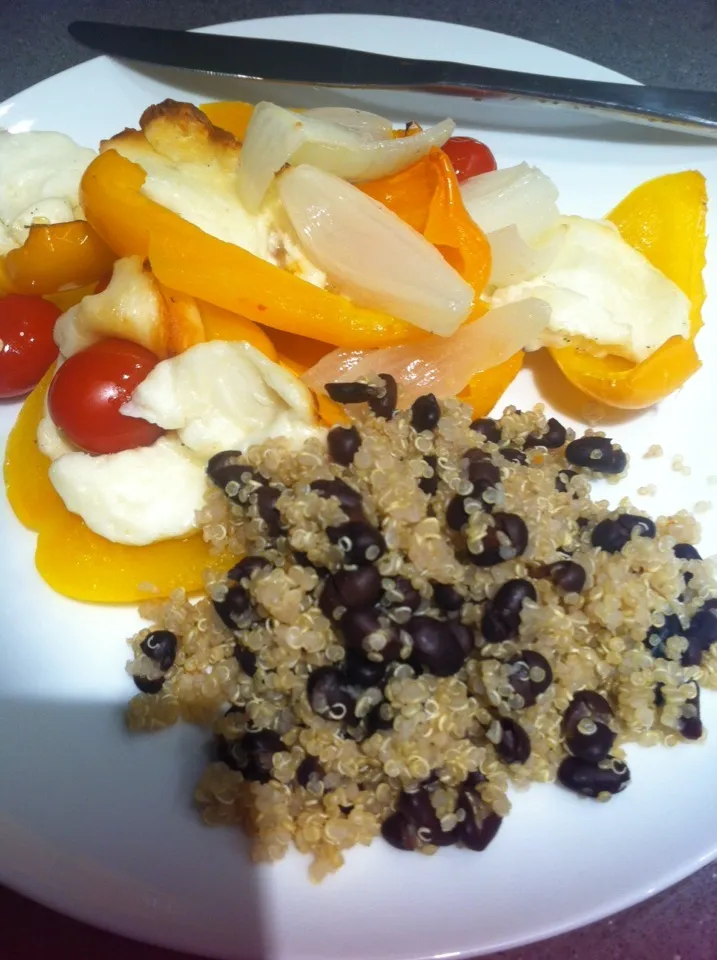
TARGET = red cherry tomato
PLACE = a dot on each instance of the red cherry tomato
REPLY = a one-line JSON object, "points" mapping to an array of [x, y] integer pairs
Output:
{"points": [[469, 157], [27, 349], [88, 390]]}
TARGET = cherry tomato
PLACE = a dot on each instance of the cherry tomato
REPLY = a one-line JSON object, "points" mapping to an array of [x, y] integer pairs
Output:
{"points": [[88, 390], [469, 157], [27, 349]]}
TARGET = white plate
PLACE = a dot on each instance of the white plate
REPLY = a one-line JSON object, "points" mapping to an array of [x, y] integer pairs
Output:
{"points": [[100, 825]]}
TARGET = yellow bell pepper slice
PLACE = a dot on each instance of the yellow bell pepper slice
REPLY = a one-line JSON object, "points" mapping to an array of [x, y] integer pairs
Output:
{"points": [[57, 257], [665, 220], [72, 559], [185, 258]]}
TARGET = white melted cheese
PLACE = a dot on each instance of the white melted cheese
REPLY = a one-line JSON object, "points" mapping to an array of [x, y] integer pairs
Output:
{"points": [[224, 396], [130, 308], [134, 497], [40, 175], [206, 194], [604, 295]]}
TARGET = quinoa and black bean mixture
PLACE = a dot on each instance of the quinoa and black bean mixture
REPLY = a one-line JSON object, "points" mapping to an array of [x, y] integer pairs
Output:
{"points": [[426, 611]]}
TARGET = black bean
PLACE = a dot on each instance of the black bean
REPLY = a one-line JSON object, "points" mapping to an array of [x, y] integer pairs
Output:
{"points": [[502, 618], [436, 649], [246, 659], [309, 768], [563, 479], [266, 498], [554, 436], [247, 567], [447, 598], [223, 470], [349, 499], [591, 779], [513, 455], [400, 832], [463, 635], [362, 672], [690, 723], [474, 779], [358, 588], [658, 695], [360, 542], [356, 392], [514, 744], [343, 444], [375, 720], [234, 606], [429, 485], [358, 625], [160, 646], [417, 808], [410, 597], [657, 637], [494, 551], [480, 469], [531, 675], [222, 467], [585, 704], [328, 696], [612, 535], [567, 575], [686, 551], [487, 427], [383, 401], [703, 626], [331, 603], [145, 685], [480, 824], [456, 513], [590, 740], [252, 754], [596, 453], [425, 412]]}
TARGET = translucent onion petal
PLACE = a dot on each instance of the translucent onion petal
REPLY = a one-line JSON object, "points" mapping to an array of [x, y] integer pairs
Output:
{"points": [[373, 160], [349, 146], [369, 126], [441, 365], [522, 196], [370, 254], [513, 260]]}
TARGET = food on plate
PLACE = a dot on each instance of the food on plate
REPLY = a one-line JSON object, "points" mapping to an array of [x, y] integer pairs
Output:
{"points": [[39, 182], [423, 609], [28, 348], [271, 230]]}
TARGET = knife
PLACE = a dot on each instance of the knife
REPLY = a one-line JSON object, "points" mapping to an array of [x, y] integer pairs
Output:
{"points": [[285, 61]]}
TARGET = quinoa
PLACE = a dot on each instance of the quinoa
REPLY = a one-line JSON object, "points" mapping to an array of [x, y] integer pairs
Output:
{"points": [[446, 615]]}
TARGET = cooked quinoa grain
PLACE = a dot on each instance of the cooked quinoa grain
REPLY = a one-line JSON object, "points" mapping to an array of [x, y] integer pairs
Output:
{"points": [[427, 611]]}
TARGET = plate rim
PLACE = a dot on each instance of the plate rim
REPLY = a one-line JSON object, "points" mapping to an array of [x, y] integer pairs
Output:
{"points": [[670, 878]]}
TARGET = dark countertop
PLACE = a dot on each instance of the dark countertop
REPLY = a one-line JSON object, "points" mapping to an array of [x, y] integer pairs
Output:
{"points": [[671, 42]]}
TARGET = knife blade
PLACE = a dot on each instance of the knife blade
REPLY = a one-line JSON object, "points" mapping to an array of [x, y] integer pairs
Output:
{"points": [[286, 61]]}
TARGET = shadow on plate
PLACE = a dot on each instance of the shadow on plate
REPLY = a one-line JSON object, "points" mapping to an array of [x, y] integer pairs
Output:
{"points": [[99, 824], [560, 395]]}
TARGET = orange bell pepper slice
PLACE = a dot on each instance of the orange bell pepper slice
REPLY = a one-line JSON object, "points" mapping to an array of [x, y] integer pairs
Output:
{"points": [[57, 257], [185, 258], [72, 559], [665, 220], [485, 389], [427, 196], [230, 115], [220, 324]]}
